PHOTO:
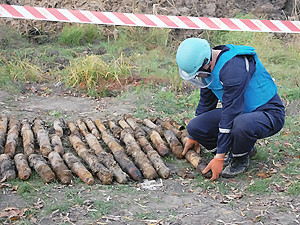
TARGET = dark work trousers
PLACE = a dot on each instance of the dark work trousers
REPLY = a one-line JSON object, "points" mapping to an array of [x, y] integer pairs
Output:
{"points": [[246, 129]]}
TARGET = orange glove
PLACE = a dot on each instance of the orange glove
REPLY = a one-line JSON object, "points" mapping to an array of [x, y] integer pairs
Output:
{"points": [[216, 166], [189, 144]]}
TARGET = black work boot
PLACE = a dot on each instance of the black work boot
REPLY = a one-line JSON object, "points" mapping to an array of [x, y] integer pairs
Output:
{"points": [[236, 166], [228, 158], [252, 152]]}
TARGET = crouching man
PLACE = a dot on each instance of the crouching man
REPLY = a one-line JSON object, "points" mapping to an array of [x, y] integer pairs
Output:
{"points": [[251, 108]]}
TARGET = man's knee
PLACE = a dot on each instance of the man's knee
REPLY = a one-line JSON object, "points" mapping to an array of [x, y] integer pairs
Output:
{"points": [[191, 128], [241, 126]]}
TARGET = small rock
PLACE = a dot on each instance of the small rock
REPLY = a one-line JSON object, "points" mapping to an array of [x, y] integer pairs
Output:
{"points": [[88, 202]]}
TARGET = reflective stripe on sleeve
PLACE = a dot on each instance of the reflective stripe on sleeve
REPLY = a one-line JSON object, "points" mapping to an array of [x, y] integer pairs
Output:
{"points": [[226, 131], [239, 155]]}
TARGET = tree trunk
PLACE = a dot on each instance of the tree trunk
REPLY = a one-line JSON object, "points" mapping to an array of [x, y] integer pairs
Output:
{"points": [[78, 168], [102, 173], [7, 168], [61, 170], [28, 138], [24, 171], [41, 167], [12, 136], [42, 137], [3, 130]]}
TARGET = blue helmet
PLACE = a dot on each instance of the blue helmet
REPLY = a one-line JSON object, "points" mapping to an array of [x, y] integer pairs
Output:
{"points": [[192, 54]]}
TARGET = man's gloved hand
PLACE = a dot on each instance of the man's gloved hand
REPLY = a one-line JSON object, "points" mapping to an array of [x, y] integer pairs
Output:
{"points": [[216, 166], [190, 144]]}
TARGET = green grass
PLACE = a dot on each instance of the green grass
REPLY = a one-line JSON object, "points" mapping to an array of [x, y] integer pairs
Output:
{"points": [[164, 102], [260, 186], [29, 189], [101, 208], [145, 215], [292, 168], [222, 187], [146, 52], [135, 40], [11, 39], [60, 206], [73, 196], [75, 35], [294, 188], [150, 54], [18, 70]]}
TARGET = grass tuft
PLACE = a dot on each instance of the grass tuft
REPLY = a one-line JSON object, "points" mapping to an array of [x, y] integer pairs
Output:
{"points": [[101, 208], [76, 35]]}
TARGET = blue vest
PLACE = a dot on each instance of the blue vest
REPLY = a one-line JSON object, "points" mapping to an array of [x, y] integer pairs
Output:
{"points": [[261, 87]]}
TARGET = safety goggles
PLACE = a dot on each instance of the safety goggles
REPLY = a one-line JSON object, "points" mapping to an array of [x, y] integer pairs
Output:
{"points": [[201, 79]]}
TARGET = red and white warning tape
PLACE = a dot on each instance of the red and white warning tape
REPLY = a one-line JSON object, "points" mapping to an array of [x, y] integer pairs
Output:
{"points": [[146, 20]]}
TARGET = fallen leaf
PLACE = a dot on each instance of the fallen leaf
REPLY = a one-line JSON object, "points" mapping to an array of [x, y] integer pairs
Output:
{"points": [[287, 144], [235, 196], [279, 188], [44, 88], [263, 175], [272, 171], [4, 185], [276, 164], [3, 179], [260, 142], [39, 206], [114, 218], [12, 213], [33, 220], [285, 176], [15, 188], [128, 218], [261, 166], [16, 217]]}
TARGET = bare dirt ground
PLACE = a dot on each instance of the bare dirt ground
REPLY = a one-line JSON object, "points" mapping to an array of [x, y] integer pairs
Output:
{"points": [[184, 198]]}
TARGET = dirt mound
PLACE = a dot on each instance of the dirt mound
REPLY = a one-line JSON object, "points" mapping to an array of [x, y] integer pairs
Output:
{"points": [[268, 9]]}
